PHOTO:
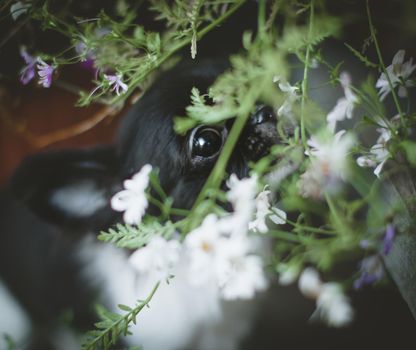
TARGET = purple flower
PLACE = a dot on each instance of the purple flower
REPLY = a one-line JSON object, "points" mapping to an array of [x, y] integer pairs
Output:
{"points": [[117, 83], [45, 72], [28, 72], [371, 269], [388, 239], [87, 56]]}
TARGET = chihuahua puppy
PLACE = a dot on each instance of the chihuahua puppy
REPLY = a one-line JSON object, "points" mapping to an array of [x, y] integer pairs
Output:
{"points": [[57, 202]]}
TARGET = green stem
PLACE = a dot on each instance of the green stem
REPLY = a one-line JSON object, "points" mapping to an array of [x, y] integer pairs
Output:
{"points": [[261, 18], [117, 326], [383, 67], [286, 236], [305, 77], [216, 176], [339, 223]]}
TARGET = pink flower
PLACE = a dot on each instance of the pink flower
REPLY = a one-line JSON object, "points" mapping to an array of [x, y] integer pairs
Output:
{"points": [[45, 72]]}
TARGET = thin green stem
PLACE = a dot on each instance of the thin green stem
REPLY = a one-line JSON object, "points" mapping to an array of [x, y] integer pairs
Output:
{"points": [[116, 327], [305, 76], [261, 19], [216, 176], [286, 236], [382, 65]]}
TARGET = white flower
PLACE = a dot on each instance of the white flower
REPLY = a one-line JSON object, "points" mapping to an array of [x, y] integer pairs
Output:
{"points": [[117, 83], [309, 283], [245, 278], [399, 73], [379, 153], [332, 155], [216, 256], [133, 199], [329, 164], [264, 210], [241, 273], [345, 105], [18, 8], [333, 306], [242, 196], [292, 95], [240, 191], [158, 257], [287, 273], [202, 245]]}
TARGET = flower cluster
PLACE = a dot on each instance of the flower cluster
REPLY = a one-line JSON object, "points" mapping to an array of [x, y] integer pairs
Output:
{"points": [[221, 251], [331, 304]]}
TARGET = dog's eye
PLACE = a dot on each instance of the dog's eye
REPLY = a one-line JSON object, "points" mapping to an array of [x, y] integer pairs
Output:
{"points": [[205, 142]]}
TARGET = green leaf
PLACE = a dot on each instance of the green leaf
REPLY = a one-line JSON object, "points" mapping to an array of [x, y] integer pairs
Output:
{"points": [[409, 148], [361, 57]]}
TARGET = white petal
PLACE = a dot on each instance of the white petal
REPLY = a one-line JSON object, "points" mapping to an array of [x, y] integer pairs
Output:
{"points": [[309, 283], [378, 169], [365, 161], [279, 218], [398, 57]]}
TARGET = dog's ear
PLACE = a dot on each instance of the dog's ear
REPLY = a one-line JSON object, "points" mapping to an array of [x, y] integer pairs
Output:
{"points": [[69, 188]]}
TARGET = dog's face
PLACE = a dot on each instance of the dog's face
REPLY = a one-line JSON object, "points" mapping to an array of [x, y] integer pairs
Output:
{"points": [[73, 188]]}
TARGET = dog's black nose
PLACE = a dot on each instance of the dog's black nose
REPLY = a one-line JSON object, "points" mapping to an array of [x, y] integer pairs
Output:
{"points": [[262, 115], [260, 133]]}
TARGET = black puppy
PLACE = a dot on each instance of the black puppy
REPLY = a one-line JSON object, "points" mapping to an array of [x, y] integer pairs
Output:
{"points": [[57, 203]]}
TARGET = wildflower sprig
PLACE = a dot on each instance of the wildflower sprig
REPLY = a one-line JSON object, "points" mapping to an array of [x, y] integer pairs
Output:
{"points": [[113, 325]]}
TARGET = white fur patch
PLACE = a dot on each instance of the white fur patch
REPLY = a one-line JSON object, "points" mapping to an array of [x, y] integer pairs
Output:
{"points": [[14, 322], [82, 199], [180, 315]]}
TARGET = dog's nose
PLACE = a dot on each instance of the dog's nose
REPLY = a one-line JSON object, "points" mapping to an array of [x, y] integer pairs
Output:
{"points": [[262, 115], [260, 133]]}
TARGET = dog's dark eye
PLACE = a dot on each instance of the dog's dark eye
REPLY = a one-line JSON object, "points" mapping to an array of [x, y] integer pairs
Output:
{"points": [[205, 142]]}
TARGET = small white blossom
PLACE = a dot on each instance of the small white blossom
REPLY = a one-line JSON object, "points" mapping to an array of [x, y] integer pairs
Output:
{"points": [[116, 82], [263, 211], [310, 283], [242, 196], [216, 256], [399, 73], [332, 155], [287, 274], [245, 278], [329, 164], [132, 200], [345, 105], [292, 95], [158, 257], [379, 153], [202, 245], [333, 306]]}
